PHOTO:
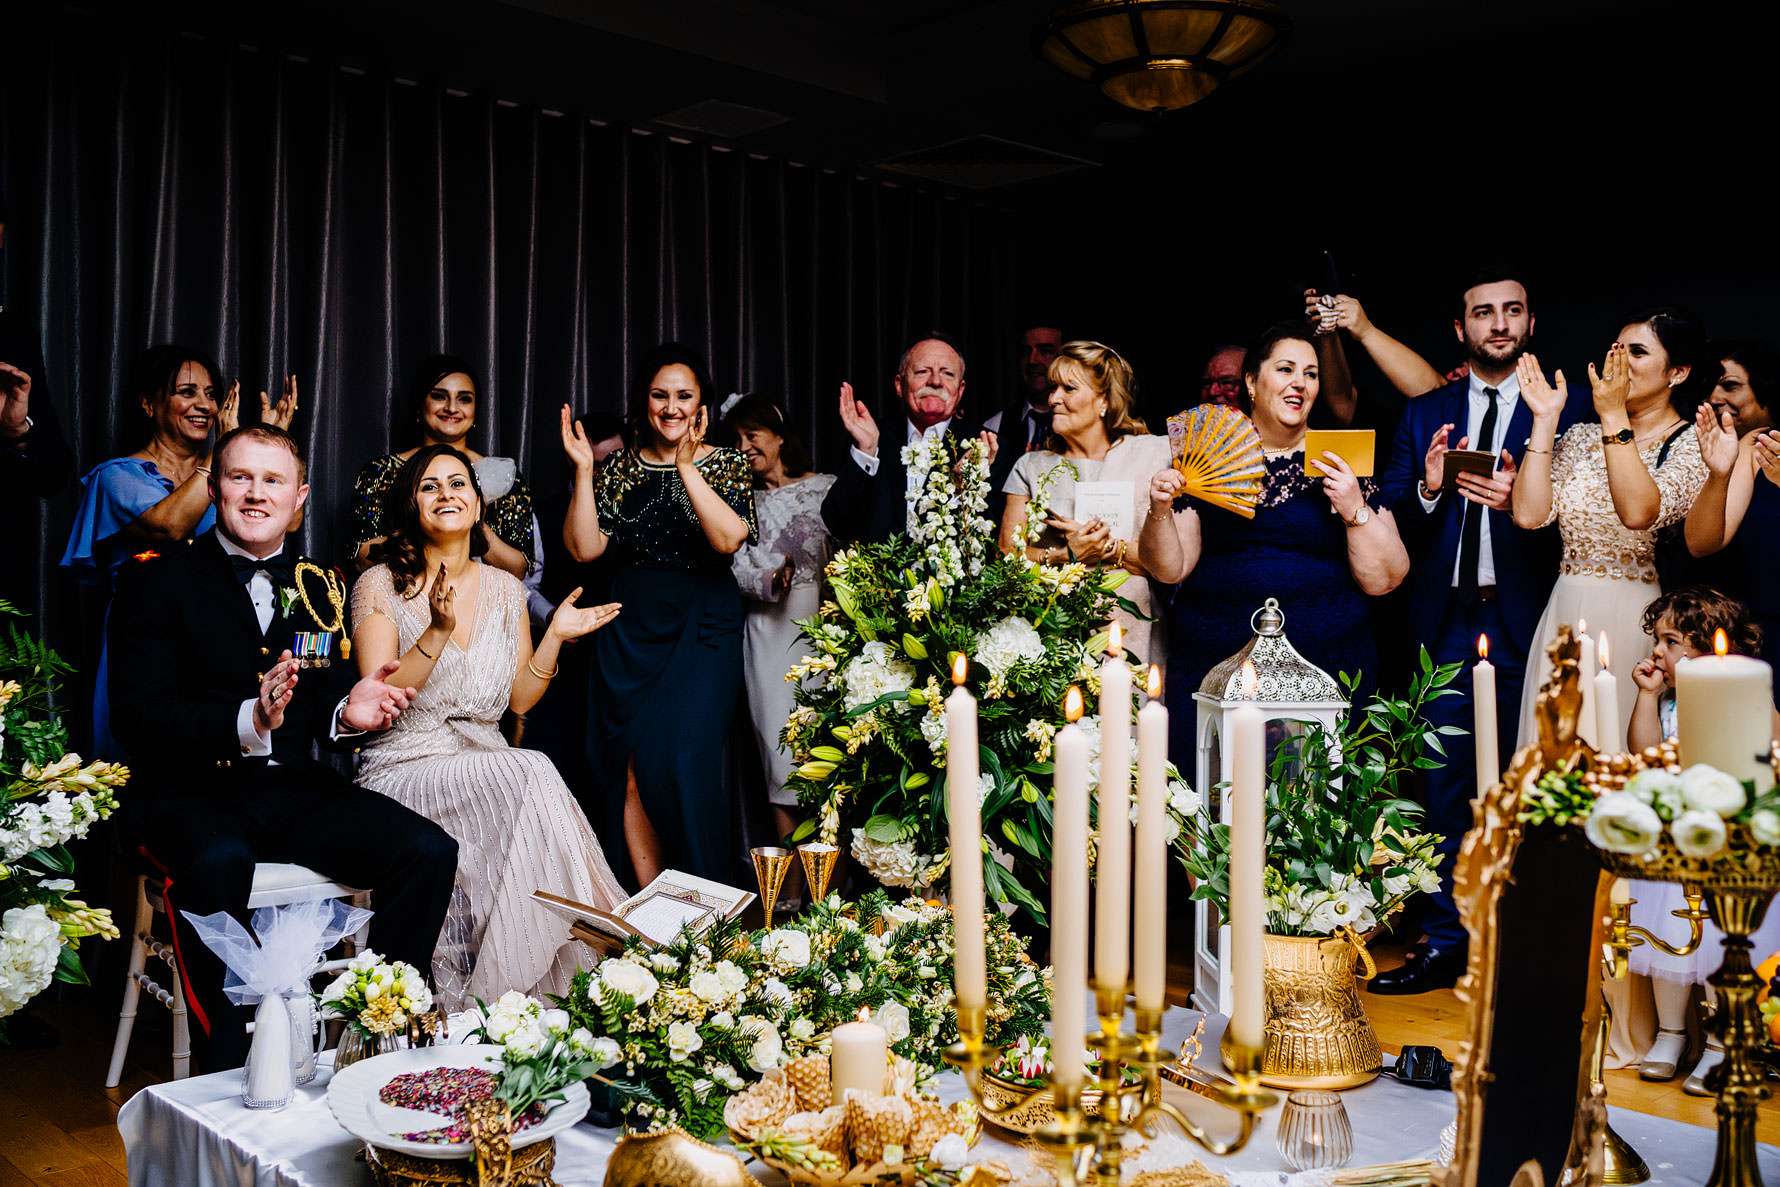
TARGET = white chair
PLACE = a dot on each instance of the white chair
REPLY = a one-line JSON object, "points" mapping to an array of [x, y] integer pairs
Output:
{"points": [[275, 884]]}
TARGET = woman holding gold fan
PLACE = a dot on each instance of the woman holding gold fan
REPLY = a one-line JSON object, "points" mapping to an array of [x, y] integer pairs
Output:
{"points": [[1309, 533], [1087, 495]]}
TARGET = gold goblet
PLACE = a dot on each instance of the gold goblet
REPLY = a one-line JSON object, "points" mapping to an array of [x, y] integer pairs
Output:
{"points": [[819, 861], [771, 864]]}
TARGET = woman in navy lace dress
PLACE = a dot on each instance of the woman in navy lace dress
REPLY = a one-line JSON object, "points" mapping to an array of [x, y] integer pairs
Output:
{"points": [[1321, 545]]}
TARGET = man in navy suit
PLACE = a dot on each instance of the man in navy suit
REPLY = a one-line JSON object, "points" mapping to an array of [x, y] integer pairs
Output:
{"points": [[869, 500], [1472, 573]]}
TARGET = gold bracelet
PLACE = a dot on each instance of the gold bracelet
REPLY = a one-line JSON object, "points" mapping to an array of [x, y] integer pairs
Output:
{"points": [[542, 675], [423, 650], [1119, 560]]}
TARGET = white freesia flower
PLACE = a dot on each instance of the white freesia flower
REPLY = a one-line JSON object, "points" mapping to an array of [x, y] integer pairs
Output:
{"points": [[1699, 833], [628, 978], [683, 1039], [1708, 789], [1011, 641], [787, 948], [877, 670], [1764, 826], [1622, 823]]}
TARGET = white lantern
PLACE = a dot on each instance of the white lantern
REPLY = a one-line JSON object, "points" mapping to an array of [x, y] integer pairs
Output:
{"points": [[1292, 693]]}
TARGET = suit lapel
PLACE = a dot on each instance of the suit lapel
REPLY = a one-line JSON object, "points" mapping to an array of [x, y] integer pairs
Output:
{"points": [[218, 582]]}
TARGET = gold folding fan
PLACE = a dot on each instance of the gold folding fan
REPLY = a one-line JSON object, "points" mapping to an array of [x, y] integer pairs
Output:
{"points": [[1218, 452]]}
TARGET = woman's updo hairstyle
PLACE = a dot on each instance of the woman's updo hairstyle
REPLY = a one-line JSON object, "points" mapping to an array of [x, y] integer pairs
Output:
{"points": [[668, 354], [758, 412], [403, 547], [421, 382], [1683, 337], [1110, 376]]}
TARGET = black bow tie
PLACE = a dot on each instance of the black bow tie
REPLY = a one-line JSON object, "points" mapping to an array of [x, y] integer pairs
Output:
{"points": [[280, 568]]}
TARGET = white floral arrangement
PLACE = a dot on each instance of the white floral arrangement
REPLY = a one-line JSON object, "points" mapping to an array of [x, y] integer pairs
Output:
{"points": [[375, 996], [542, 1051], [1698, 810], [949, 491], [48, 797]]}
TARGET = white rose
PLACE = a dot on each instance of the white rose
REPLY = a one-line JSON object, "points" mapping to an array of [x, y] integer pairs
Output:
{"points": [[707, 985], [525, 1042], [683, 1040], [723, 1018], [950, 1152], [1183, 799], [854, 984], [1659, 789], [628, 978], [604, 1052], [894, 1018], [775, 990], [768, 1051], [580, 1040], [555, 1021], [1764, 826], [803, 1030], [1708, 789], [1621, 823], [664, 963], [1699, 833], [787, 948], [733, 979], [895, 915]]}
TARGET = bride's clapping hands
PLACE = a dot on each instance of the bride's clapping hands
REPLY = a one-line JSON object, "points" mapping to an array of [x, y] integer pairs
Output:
{"points": [[571, 621]]}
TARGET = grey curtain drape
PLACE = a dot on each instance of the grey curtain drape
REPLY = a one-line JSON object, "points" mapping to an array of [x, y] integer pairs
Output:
{"points": [[292, 216]]}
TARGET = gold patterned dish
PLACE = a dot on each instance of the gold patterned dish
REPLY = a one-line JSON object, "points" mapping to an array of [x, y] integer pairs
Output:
{"points": [[1001, 1094]]}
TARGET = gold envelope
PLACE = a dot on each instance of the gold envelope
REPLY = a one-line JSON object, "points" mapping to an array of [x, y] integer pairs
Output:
{"points": [[1353, 446]]}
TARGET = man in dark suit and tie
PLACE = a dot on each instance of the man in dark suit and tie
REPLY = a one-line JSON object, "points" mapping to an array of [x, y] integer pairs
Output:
{"points": [[219, 718], [869, 500], [1472, 573]]}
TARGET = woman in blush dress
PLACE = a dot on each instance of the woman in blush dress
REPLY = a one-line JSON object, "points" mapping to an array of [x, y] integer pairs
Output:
{"points": [[780, 579], [458, 626]]}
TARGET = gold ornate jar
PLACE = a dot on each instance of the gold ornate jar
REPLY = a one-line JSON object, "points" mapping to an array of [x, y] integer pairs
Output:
{"points": [[1318, 1035]]}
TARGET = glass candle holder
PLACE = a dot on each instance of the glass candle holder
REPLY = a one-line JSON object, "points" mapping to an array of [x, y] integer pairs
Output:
{"points": [[1314, 1132]]}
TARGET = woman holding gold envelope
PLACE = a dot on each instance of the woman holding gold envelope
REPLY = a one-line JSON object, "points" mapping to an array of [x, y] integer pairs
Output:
{"points": [[1320, 540], [1086, 496]]}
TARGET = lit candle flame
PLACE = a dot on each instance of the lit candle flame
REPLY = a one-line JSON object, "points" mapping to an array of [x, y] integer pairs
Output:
{"points": [[1603, 651], [1251, 683], [1115, 642], [1072, 704], [960, 667], [1483, 647], [864, 1014], [1720, 644], [1582, 626], [1154, 685]]}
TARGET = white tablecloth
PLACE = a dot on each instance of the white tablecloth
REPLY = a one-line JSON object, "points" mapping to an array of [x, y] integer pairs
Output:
{"points": [[195, 1133]]}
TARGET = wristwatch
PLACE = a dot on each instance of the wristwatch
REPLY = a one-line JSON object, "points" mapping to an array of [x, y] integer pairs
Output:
{"points": [[1623, 437], [1360, 517]]}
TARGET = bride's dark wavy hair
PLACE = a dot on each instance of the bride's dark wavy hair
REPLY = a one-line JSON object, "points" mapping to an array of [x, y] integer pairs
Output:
{"points": [[403, 549]]}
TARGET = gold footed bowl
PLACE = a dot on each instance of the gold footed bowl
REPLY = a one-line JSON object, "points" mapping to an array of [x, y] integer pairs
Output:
{"points": [[673, 1156], [1001, 1094], [1318, 1035]]}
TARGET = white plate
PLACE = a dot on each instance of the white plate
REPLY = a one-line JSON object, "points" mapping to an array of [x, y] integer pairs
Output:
{"points": [[353, 1091]]}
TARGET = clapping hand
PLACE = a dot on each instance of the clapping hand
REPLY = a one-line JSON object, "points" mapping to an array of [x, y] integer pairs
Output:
{"points": [[571, 621], [279, 415], [783, 576], [374, 705], [1086, 540], [687, 452], [1767, 454], [575, 442], [992, 444], [228, 415], [856, 419], [1341, 484], [15, 402], [276, 688], [441, 602], [1717, 428], [1546, 402], [1613, 383], [1648, 676], [1495, 491], [1434, 464]]}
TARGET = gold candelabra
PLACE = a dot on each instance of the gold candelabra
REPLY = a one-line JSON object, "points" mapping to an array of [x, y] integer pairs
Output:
{"points": [[1087, 1139]]}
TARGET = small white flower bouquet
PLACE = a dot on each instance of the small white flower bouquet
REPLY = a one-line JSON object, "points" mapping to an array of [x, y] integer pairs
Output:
{"points": [[1699, 810], [374, 996]]}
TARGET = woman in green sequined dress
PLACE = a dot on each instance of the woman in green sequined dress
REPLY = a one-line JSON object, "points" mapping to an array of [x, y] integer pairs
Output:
{"points": [[443, 402], [667, 673]]}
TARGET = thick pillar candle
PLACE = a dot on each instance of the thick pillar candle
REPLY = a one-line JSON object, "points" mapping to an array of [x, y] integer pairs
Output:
{"points": [[1069, 899], [1248, 908], [1483, 718], [1608, 736], [859, 1057], [1724, 715], [1149, 958], [1112, 917], [965, 819]]}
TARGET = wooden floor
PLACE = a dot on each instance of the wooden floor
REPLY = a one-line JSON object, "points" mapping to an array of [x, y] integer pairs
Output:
{"points": [[58, 1127]]}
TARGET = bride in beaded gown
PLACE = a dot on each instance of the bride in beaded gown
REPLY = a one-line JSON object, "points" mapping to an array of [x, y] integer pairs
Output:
{"points": [[459, 628]]}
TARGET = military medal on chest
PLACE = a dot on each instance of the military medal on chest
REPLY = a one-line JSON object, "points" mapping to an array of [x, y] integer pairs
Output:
{"points": [[314, 649]]}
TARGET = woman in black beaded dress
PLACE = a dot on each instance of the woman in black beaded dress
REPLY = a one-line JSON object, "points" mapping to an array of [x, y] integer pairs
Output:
{"points": [[666, 679]]}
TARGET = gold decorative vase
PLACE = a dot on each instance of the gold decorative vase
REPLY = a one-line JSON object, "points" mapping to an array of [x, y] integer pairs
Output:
{"points": [[1318, 1035]]}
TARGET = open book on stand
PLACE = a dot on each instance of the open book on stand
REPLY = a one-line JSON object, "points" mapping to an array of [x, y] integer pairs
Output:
{"points": [[657, 913]]}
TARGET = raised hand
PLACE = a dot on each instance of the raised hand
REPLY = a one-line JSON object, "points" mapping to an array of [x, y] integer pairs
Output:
{"points": [[1495, 491], [1717, 429], [856, 419], [441, 602], [276, 689], [15, 401], [1434, 464], [373, 704], [992, 444], [280, 415], [228, 416], [571, 621], [1340, 484], [1165, 487], [1767, 454], [687, 453], [1346, 314], [575, 442], [1546, 402], [1613, 383]]}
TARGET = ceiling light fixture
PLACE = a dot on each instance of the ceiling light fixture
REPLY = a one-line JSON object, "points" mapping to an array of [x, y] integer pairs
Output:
{"points": [[1161, 55]]}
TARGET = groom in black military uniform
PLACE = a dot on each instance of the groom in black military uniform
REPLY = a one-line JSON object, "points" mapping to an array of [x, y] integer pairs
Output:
{"points": [[228, 664]]}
